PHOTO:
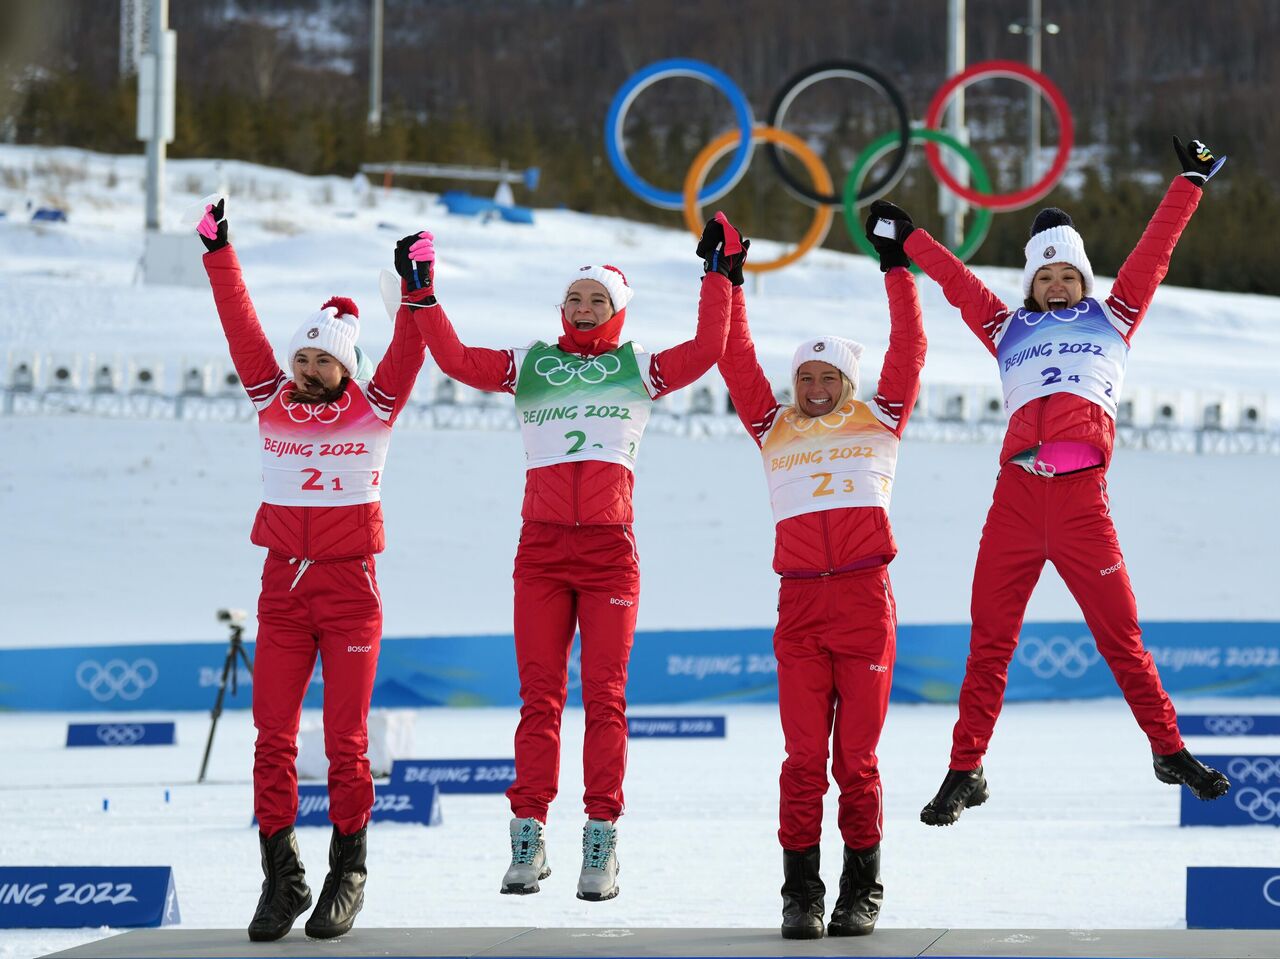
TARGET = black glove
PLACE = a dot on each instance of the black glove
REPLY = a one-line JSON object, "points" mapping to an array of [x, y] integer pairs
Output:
{"points": [[1198, 161], [213, 222], [899, 224], [417, 274], [716, 235]]}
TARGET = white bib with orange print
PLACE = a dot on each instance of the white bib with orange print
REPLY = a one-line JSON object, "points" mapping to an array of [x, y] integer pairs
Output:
{"points": [[330, 455], [846, 458]]}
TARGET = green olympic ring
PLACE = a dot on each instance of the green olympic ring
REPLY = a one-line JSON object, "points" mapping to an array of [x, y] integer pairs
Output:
{"points": [[882, 145]]}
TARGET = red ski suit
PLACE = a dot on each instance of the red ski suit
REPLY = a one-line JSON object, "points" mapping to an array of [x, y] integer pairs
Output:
{"points": [[835, 640], [577, 565], [319, 586], [1065, 520]]}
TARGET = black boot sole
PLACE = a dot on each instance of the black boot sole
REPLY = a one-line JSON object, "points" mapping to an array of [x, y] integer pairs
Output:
{"points": [[332, 932], [931, 817], [840, 929], [272, 935], [1217, 792], [599, 896], [520, 889], [802, 933]]}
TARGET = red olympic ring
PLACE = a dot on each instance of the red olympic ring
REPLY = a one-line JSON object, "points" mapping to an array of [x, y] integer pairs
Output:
{"points": [[1013, 70]]}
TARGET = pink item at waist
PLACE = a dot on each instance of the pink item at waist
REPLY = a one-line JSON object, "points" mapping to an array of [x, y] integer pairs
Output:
{"points": [[1067, 456]]}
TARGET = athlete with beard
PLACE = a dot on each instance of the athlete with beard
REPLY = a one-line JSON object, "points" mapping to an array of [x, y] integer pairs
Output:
{"points": [[1062, 359], [829, 460], [583, 401], [325, 428]]}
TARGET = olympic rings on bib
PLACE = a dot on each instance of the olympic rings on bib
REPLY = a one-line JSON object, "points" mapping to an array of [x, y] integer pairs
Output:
{"points": [[821, 193], [591, 371], [876, 148], [718, 147], [1011, 70]]}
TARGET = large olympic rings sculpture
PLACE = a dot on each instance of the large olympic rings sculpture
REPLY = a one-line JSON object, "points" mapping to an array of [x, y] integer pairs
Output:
{"points": [[820, 193]]}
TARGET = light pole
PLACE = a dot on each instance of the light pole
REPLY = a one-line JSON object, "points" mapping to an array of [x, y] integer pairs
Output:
{"points": [[375, 66], [951, 206], [1033, 26]]}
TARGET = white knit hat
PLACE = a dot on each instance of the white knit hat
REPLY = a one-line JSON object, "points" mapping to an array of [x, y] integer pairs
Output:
{"points": [[836, 350], [333, 329], [611, 278], [1055, 240]]}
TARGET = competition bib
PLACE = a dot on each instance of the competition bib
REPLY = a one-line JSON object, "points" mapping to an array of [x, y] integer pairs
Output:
{"points": [[1063, 351], [329, 455], [581, 407], [843, 459]]}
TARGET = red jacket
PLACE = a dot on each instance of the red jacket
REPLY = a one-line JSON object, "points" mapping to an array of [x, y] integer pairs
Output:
{"points": [[309, 532], [1065, 416], [831, 541], [589, 491]]}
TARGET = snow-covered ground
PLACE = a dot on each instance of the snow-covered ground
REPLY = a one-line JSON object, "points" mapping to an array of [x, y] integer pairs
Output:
{"points": [[136, 530]]}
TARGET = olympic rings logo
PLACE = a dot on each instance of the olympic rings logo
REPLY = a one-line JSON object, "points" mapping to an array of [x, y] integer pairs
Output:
{"points": [[821, 194], [105, 682], [120, 734], [1267, 894], [559, 372], [1259, 769], [1228, 725], [1058, 656], [1074, 312], [831, 421], [1258, 805], [325, 413]]}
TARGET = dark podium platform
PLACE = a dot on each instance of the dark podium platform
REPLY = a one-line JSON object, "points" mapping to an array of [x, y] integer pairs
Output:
{"points": [[508, 943]]}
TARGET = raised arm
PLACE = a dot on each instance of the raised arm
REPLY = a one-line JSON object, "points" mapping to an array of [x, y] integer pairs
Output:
{"points": [[1145, 268], [982, 311], [748, 386], [493, 371], [886, 228], [251, 354], [723, 251], [393, 380]]}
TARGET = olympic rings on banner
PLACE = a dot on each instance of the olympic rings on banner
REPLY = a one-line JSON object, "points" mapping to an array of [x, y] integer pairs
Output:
{"points": [[1012, 70], [876, 148], [849, 70], [718, 147], [637, 84]]}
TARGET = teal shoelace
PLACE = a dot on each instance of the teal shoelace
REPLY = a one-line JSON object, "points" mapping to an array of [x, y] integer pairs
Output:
{"points": [[524, 846], [597, 846]]}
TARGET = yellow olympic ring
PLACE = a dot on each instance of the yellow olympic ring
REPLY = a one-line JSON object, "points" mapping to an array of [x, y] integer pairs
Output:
{"points": [[822, 215]]}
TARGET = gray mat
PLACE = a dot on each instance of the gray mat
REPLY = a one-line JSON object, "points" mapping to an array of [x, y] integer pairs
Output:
{"points": [[492, 943]]}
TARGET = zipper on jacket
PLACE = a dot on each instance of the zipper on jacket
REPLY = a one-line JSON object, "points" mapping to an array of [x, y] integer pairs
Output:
{"points": [[306, 530], [1044, 401], [826, 542], [577, 476]]}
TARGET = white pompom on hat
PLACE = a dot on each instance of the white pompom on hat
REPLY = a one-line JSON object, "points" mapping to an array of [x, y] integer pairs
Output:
{"points": [[334, 329], [836, 350], [1055, 240], [611, 278]]}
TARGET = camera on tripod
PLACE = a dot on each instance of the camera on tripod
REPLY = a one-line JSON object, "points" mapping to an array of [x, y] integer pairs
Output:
{"points": [[235, 620], [235, 617]]}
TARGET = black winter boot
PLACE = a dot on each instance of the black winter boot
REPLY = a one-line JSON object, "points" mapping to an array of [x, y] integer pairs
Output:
{"points": [[343, 892], [1183, 768], [802, 892], [858, 905], [285, 895], [961, 789]]}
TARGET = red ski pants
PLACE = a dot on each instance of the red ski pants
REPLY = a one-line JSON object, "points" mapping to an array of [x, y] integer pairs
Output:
{"points": [[334, 610], [1067, 521], [567, 576], [835, 645]]}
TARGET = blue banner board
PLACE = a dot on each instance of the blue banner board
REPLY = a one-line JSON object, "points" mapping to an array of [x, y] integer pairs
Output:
{"points": [[1235, 897], [675, 727], [1229, 724], [74, 897], [456, 775], [1254, 799], [1053, 661], [120, 734], [407, 802]]}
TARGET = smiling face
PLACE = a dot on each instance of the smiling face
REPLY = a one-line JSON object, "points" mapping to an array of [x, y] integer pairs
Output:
{"points": [[587, 305], [819, 388], [316, 373], [1057, 286]]}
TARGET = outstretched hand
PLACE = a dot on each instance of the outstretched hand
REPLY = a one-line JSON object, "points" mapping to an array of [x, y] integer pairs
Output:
{"points": [[1198, 161], [887, 228], [723, 248], [415, 261], [212, 227]]}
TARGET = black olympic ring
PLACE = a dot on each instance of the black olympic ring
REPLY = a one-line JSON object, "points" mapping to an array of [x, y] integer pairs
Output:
{"points": [[849, 70]]}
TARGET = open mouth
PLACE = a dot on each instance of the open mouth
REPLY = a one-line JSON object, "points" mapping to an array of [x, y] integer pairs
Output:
{"points": [[585, 324], [1057, 303], [819, 403]]}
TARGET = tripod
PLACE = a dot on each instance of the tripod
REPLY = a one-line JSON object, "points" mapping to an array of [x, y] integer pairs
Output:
{"points": [[229, 668]]}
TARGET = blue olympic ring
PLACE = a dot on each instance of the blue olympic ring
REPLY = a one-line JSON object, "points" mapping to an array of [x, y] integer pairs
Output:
{"points": [[663, 70]]}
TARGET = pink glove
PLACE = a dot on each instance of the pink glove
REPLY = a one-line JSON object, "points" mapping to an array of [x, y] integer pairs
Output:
{"points": [[424, 248]]}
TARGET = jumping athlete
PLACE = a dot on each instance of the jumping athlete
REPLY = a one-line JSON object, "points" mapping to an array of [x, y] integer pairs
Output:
{"points": [[582, 402], [325, 428], [829, 460], [1062, 359]]}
